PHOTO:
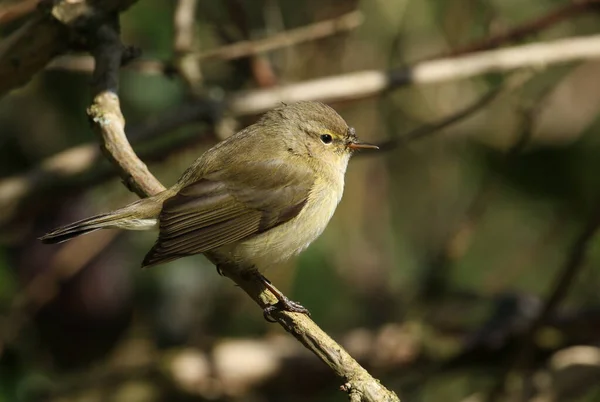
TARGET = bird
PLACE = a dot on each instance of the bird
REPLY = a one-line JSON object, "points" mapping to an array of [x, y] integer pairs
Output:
{"points": [[251, 201]]}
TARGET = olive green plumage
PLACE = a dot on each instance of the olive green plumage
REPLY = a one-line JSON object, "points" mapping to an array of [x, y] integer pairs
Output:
{"points": [[252, 200]]}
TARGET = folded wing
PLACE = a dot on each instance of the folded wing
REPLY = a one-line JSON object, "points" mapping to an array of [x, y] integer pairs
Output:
{"points": [[225, 207]]}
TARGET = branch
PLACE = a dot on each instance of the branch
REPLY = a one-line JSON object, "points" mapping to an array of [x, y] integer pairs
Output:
{"points": [[105, 112], [574, 263], [429, 129], [371, 82], [108, 122], [312, 32], [27, 50], [184, 42], [318, 30], [536, 25], [342, 87]]}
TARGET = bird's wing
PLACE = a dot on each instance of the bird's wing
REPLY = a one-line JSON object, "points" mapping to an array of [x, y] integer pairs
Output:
{"points": [[227, 206]]}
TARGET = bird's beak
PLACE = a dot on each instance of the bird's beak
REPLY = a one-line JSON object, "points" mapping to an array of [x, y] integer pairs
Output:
{"points": [[361, 145]]}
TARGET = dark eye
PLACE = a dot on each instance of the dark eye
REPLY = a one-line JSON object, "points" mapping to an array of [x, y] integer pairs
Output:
{"points": [[326, 138]]}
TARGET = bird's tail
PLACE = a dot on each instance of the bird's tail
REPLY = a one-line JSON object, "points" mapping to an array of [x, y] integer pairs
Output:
{"points": [[141, 215]]}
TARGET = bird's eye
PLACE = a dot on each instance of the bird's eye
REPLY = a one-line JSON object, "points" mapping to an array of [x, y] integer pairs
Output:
{"points": [[326, 138]]}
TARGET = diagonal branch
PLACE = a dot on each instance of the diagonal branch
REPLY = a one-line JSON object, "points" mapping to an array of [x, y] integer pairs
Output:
{"points": [[108, 122]]}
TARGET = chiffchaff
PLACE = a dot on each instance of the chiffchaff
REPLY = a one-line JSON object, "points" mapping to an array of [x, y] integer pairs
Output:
{"points": [[256, 198]]}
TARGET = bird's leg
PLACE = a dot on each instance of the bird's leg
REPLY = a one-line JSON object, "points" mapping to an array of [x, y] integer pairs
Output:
{"points": [[283, 304]]}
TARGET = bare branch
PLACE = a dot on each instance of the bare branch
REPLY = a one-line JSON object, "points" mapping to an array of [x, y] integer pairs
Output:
{"points": [[561, 13], [33, 45], [429, 129], [318, 30], [105, 113], [368, 83], [184, 44]]}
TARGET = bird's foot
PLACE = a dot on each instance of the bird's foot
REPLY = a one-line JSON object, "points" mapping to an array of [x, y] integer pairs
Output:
{"points": [[284, 304]]}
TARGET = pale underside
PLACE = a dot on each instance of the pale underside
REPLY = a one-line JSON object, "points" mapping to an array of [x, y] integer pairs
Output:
{"points": [[267, 217]]}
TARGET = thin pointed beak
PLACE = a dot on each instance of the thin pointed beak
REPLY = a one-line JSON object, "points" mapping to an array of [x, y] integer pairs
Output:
{"points": [[361, 145]]}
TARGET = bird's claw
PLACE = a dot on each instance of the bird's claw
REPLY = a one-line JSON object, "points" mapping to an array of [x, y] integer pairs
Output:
{"points": [[284, 305]]}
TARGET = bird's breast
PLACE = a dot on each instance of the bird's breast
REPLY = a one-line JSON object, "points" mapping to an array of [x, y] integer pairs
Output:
{"points": [[293, 236]]}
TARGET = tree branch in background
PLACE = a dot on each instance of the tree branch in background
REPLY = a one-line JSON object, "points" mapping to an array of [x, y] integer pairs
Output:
{"points": [[108, 122], [363, 84], [27, 50], [429, 129], [524, 357], [538, 24], [319, 30], [368, 83], [426, 130], [184, 42], [330, 89], [572, 267]]}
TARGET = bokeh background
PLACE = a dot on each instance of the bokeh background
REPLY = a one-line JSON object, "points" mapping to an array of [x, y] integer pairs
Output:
{"points": [[443, 254]]}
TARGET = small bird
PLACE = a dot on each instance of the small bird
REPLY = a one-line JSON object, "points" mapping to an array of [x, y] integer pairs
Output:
{"points": [[255, 199]]}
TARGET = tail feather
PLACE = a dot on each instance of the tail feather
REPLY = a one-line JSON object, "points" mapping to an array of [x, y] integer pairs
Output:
{"points": [[140, 215], [81, 227]]}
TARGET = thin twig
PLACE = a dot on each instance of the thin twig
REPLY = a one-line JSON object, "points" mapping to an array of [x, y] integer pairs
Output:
{"points": [[27, 50], [573, 265], [429, 129], [292, 37], [109, 124], [318, 30], [184, 43], [524, 357], [538, 24], [564, 279]]}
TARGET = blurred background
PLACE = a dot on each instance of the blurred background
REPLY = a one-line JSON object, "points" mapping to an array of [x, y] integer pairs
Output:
{"points": [[459, 266]]}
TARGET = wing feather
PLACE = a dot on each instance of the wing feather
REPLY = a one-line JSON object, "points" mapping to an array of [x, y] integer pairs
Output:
{"points": [[224, 207]]}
